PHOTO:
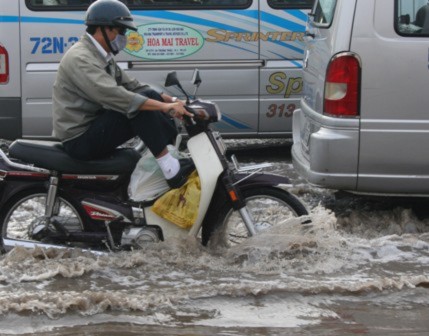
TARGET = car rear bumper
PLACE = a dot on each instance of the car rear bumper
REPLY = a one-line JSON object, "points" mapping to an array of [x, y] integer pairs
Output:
{"points": [[325, 150]]}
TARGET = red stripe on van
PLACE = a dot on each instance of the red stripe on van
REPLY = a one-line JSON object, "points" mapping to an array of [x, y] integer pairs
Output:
{"points": [[4, 65]]}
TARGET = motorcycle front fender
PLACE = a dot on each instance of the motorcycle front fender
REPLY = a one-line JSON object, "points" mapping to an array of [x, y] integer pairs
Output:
{"points": [[247, 181], [209, 169], [243, 182]]}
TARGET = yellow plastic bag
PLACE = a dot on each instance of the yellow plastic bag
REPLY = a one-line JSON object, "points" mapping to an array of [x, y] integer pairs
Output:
{"points": [[180, 206]]}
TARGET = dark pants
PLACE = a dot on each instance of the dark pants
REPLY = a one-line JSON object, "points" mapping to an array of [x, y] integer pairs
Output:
{"points": [[111, 129]]}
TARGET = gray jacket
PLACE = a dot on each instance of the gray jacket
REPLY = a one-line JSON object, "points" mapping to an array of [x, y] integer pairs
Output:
{"points": [[83, 88]]}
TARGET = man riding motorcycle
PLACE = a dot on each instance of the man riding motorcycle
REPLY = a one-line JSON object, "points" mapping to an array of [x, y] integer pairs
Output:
{"points": [[97, 106]]}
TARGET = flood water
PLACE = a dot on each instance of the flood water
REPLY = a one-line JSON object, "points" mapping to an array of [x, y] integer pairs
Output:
{"points": [[361, 268]]}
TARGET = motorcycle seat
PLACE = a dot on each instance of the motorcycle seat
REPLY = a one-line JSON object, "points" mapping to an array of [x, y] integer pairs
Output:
{"points": [[52, 156]]}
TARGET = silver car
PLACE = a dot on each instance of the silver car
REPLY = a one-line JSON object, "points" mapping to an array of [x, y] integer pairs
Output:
{"points": [[363, 125]]}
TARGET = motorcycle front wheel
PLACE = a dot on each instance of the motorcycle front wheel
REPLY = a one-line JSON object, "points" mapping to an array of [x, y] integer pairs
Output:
{"points": [[22, 219], [267, 206]]}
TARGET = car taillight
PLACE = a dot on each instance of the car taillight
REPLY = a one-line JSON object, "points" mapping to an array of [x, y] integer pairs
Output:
{"points": [[4, 65], [342, 86]]}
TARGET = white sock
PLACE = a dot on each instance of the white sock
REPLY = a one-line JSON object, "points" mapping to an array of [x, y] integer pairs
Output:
{"points": [[169, 165]]}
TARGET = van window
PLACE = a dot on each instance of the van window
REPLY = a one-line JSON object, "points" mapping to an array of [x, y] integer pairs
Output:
{"points": [[412, 17], [142, 4], [323, 12], [38, 4], [279, 4]]}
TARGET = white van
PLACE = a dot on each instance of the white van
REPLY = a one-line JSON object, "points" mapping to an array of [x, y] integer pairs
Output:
{"points": [[248, 51], [363, 125]]}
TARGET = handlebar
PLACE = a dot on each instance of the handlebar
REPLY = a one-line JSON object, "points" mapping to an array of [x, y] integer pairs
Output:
{"points": [[204, 113], [187, 119]]}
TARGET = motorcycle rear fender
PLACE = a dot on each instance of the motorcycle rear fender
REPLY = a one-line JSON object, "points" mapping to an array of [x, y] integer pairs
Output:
{"points": [[12, 183], [8, 189], [4, 168], [15, 180]]}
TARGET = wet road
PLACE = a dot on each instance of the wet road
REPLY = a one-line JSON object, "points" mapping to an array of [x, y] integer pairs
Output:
{"points": [[362, 268]]}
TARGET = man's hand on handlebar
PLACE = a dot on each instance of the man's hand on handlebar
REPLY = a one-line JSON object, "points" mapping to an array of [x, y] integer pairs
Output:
{"points": [[177, 110], [174, 107]]}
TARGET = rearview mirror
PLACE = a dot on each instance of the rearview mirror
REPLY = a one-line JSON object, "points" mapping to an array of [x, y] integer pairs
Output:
{"points": [[196, 79], [172, 79]]}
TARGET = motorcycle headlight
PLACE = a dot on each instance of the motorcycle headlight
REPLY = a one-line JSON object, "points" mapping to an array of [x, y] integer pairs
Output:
{"points": [[206, 110], [218, 113]]}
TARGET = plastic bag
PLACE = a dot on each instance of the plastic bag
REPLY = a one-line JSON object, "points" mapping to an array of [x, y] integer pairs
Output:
{"points": [[147, 180], [180, 206]]}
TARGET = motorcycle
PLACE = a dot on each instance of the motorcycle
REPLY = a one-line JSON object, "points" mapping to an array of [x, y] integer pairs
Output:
{"points": [[48, 199]]}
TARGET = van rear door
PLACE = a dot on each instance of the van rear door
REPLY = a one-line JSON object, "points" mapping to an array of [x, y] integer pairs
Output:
{"points": [[326, 140], [393, 44]]}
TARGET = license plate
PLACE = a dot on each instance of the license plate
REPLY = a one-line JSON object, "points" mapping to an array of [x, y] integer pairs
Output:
{"points": [[305, 134]]}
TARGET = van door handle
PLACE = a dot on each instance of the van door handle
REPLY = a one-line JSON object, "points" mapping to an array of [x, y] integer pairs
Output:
{"points": [[310, 34]]}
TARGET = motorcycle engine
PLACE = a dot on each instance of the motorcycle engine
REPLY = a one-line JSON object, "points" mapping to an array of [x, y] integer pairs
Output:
{"points": [[138, 237]]}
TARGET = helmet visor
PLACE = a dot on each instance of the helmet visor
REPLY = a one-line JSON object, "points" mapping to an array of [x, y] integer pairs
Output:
{"points": [[125, 22]]}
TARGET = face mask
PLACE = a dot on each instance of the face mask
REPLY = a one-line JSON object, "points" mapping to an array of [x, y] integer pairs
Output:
{"points": [[119, 43]]}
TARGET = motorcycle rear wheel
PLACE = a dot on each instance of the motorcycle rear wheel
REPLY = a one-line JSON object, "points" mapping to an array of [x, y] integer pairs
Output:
{"points": [[267, 206], [24, 212]]}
